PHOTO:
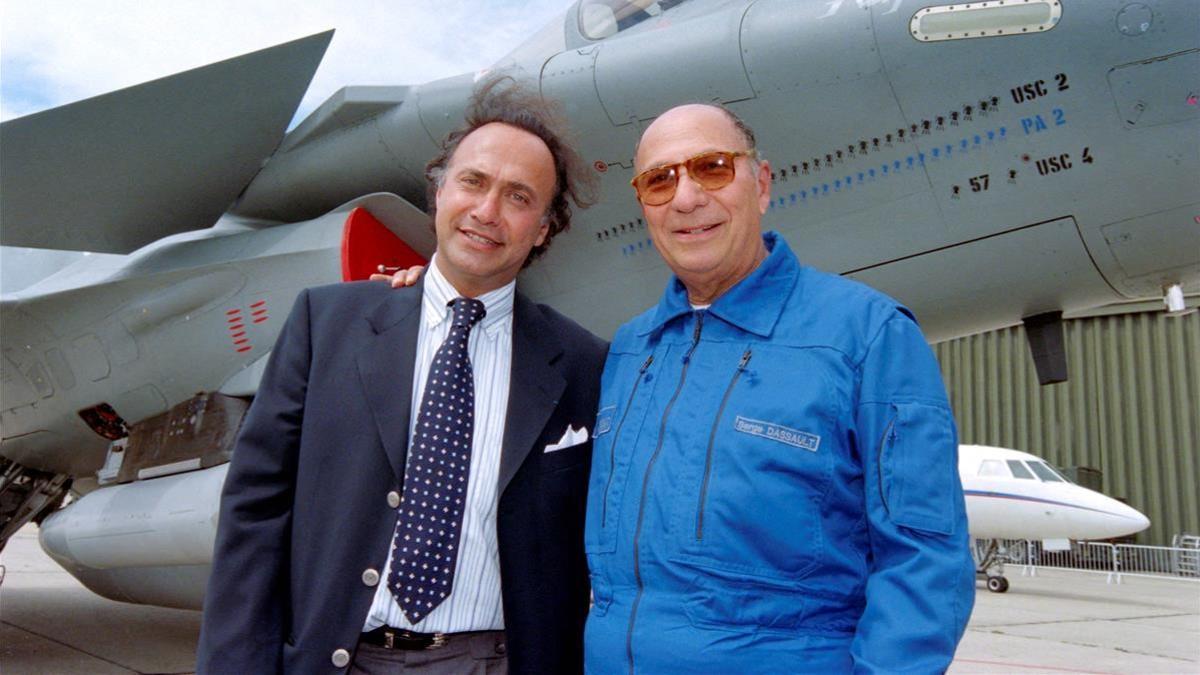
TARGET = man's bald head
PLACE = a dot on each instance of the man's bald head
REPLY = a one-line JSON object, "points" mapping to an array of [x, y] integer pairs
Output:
{"points": [[738, 123], [710, 236]]}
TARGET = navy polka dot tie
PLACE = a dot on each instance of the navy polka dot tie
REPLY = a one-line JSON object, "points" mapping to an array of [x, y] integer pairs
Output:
{"points": [[435, 483]]}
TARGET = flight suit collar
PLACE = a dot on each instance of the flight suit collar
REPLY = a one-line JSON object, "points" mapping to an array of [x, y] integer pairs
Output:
{"points": [[754, 304]]}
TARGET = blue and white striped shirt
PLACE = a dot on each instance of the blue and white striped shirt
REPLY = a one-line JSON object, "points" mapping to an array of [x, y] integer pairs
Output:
{"points": [[474, 603]]}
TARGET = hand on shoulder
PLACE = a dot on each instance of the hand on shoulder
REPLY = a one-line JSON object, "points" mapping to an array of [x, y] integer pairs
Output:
{"points": [[399, 278]]}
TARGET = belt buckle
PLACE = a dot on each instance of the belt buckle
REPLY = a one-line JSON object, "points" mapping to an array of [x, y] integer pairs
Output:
{"points": [[439, 641], [389, 639]]}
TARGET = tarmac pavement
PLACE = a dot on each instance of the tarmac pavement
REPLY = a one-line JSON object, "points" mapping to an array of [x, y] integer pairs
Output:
{"points": [[1054, 622], [1077, 622]]}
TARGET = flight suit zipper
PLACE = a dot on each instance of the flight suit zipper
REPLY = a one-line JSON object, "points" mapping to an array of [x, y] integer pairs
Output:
{"points": [[882, 442], [612, 448], [712, 436], [637, 533]]}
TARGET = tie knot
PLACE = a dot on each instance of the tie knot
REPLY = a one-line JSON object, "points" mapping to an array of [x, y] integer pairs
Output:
{"points": [[467, 312]]}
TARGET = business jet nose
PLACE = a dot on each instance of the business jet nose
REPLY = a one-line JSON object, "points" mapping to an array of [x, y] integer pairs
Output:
{"points": [[1138, 520], [1099, 516], [1123, 520]]}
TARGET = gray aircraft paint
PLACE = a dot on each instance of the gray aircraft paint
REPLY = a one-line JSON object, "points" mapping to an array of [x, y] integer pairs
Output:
{"points": [[1097, 117], [814, 80]]}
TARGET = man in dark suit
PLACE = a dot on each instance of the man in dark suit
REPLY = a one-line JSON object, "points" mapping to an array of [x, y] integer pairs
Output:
{"points": [[408, 489]]}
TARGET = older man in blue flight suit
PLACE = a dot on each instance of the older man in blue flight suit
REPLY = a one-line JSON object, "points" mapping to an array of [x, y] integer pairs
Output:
{"points": [[774, 483]]}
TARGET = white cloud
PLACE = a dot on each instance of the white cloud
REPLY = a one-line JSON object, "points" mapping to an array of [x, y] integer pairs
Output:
{"points": [[57, 51]]}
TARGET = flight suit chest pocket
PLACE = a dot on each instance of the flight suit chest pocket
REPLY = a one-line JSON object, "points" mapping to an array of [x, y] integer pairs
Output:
{"points": [[756, 505], [627, 381]]}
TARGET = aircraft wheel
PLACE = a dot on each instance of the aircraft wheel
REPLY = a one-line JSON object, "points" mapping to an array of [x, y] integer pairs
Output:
{"points": [[997, 584]]}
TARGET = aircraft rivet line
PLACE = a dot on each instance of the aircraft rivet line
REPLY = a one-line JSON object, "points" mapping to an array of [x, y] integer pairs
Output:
{"points": [[991, 103], [940, 153], [645, 244]]}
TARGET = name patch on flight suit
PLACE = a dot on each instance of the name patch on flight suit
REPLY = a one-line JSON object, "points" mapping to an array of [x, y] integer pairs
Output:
{"points": [[777, 432]]}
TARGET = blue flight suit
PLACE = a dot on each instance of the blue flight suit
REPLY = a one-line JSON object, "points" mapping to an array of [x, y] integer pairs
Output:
{"points": [[774, 486]]}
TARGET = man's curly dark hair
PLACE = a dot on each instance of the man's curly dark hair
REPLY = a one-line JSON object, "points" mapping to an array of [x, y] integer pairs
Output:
{"points": [[502, 99]]}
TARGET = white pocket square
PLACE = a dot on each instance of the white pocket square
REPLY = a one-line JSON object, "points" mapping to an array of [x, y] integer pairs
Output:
{"points": [[571, 437]]}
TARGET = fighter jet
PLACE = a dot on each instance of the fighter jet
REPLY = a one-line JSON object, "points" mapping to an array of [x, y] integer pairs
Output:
{"points": [[986, 163]]}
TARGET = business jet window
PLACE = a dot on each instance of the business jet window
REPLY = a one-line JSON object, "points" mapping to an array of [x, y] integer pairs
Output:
{"points": [[993, 467], [599, 19], [1045, 472], [1019, 470]]}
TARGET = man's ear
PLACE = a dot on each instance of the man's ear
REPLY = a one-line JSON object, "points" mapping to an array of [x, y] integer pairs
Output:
{"points": [[763, 183]]}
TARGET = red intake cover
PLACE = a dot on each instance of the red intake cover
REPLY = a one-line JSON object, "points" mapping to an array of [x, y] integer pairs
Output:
{"points": [[367, 244]]}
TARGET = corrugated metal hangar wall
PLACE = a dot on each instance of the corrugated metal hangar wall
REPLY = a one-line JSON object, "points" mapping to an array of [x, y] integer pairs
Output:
{"points": [[1130, 409]]}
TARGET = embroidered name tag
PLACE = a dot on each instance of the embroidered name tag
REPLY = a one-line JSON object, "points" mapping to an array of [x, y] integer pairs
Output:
{"points": [[604, 420], [777, 432]]}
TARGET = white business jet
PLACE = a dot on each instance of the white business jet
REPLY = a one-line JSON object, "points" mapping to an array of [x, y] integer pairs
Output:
{"points": [[1016, 495]]}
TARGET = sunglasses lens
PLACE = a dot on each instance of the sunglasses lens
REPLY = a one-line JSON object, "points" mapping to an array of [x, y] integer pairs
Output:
{"points": [[712, 171], [657, 186]]}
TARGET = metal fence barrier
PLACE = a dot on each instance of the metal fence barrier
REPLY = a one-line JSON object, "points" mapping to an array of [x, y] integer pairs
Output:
{"points": [[1114, 560]]}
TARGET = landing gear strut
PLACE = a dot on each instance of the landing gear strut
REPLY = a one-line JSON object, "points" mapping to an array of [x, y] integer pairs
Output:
{"points": [[27, 494], [990, 555]]}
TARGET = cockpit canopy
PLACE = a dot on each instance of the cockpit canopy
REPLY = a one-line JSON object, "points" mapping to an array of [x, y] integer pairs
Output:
{"points": [[1015, 468], [590, 21], [600, 19]]}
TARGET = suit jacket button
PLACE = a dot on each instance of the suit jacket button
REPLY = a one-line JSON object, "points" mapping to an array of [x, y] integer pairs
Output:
{"points": [[370, 577], [393, 499], [341, 658], [501, 648]]}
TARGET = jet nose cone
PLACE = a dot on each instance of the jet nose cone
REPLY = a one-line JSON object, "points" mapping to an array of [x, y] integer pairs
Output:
{"points": [[1140, 521], [1132, 521], [1104, 517]]}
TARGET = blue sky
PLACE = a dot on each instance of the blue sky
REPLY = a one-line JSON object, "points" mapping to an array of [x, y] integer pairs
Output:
{"points": [[54, 52]]}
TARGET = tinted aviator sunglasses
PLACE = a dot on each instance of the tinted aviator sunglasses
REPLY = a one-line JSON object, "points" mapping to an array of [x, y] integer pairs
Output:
{"points": [[710, 170]]}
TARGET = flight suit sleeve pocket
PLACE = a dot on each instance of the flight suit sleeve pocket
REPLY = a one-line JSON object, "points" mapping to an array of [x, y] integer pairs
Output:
{"points": [[919, 468]]}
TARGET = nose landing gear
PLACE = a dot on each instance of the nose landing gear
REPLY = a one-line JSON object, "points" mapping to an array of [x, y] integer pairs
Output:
{"points": [[990, 555], [997, 584]]}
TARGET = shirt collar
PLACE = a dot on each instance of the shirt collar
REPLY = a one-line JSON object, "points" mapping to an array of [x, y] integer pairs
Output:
{"points": [[439, 292], [752, 304]]}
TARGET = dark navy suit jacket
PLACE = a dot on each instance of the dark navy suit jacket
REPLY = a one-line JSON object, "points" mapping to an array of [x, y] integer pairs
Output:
{"points": [[304, 511]]}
